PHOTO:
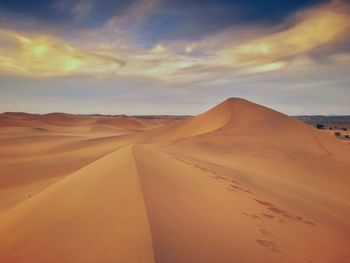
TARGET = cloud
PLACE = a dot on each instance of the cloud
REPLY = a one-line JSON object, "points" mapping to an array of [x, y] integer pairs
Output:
{"points": [[189, 18], [82, 9], [256, 51], [133, 16], [44, 56], [266, 67], [315, 28], [341, 58], [111, 56]]}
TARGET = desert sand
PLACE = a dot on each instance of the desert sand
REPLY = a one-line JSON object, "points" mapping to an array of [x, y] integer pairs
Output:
{"points": [[238, 183]]}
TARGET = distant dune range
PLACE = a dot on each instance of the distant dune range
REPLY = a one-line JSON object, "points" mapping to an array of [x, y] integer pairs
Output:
{"points": [[238, 183]]}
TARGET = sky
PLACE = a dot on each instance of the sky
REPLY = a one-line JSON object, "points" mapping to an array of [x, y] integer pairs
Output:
{"points": [[174, 56]]}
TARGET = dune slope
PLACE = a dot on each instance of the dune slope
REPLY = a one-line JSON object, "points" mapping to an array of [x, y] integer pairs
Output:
{"points": [[96, 214], [204, 212], [242, 126]]}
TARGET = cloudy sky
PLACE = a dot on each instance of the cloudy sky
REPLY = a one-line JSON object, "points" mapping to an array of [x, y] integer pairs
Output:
{"points": [[174, 56]]}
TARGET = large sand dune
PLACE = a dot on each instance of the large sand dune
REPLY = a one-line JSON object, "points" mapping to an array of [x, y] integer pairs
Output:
{"points": [[238, 183]]}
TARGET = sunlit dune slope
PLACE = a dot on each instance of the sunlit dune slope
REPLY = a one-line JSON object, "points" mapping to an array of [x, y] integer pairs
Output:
{"points": [[240, 125], [96, 214], [203, 210]]}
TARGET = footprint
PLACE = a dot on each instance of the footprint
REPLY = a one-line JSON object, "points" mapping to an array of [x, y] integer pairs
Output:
{"points": [[273, 208], [268, 244], [222, 178], [268, 215], [308, 223], [251, 216], [265, 231], [236, 187]]}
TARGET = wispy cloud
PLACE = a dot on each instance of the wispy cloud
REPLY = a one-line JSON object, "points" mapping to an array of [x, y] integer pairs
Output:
{"points": [[82, 9], [176, 61], [341, 58], [312, 29], [44, 56], [110, 56]]}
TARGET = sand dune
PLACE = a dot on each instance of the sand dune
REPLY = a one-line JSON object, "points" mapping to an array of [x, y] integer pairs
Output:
{"points": [[238, 183], [242, 124], [93, 215], [66, 123], [126, 123], [203, 212]]}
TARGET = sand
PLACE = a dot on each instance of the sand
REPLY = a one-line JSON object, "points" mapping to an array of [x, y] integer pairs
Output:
{"points": [[238, 183]]}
